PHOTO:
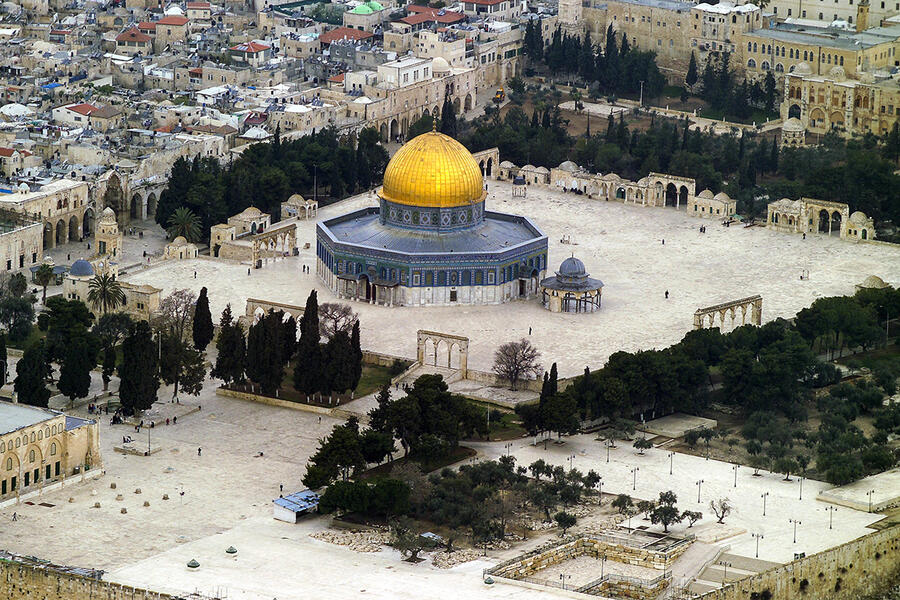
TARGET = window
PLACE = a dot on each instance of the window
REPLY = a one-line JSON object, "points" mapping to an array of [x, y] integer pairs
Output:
{"points": [[31, 456], [33, 437], [9, 464], [53, 449], [751, 63]]}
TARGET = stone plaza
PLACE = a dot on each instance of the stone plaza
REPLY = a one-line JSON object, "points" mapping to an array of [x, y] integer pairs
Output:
{"points": [[620, 244]]}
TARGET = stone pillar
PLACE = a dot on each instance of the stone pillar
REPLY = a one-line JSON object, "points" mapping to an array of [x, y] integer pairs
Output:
{"points": [[464, 360], [756, 315]]}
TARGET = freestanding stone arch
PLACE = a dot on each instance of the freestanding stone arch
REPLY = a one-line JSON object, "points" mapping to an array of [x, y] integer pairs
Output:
{"points": [[449, 341], [706, 317]]}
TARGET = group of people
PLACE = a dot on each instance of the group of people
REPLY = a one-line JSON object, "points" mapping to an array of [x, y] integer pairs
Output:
{"points": [[305, 268], [703, 228], [92, 408]]}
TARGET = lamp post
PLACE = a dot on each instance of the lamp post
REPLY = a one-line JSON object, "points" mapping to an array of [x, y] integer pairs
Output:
{"points": [[699, 484], [508, 446], [562, 578], [764, 495], [725, 564], [671, 457], [758, 537], [795, 522], [735, 469], [830, 510], [634, 478], [801, 487], [602, 564], [869, 494], [607, 450], [600, 484], [571, 458]]}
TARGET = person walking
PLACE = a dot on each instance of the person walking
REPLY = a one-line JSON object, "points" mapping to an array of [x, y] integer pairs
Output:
{"points": [[667, 294], [199, 451]]}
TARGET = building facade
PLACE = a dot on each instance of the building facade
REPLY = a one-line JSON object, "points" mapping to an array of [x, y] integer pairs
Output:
{"points": [[431, 241]]}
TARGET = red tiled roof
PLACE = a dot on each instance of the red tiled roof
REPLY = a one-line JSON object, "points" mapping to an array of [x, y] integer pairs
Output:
{"points": [[132, 35], [449, 16], [343, 33], [201, 5], [339, 78], [172, 20], [83, 109], [196, 71], [7, 152], [484, 1], [251, 47], [416, 19], [147, 26], [60, 31]]}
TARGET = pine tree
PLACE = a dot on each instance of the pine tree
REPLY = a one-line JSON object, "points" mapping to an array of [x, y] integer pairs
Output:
{"points": [[139, 370], [357, 355], [307, 373], [109, 365], [586, 58], [339, 367], [610, 128], [289, 337], [553, 383], [202, 324], [75, 372], [773, 156], [4, 357], [31, 375], [691, 78]]}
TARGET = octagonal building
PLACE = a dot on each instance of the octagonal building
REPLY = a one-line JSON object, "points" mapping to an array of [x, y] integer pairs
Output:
{"points": [[431, 240]]}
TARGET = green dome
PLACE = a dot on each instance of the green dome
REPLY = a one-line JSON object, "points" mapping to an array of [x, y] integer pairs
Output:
{"points": [[374, 5], [362, 9]]}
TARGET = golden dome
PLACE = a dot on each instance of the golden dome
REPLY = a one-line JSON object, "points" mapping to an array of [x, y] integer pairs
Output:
{"points": [[433, 170]]}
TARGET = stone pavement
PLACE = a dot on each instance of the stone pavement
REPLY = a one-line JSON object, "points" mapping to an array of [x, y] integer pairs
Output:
{"points": [[619, 244]]}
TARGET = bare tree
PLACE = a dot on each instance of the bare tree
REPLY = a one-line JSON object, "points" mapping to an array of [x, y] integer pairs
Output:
{"points": [[517, 360], [721, 508], [334, 317], [175, 313]]}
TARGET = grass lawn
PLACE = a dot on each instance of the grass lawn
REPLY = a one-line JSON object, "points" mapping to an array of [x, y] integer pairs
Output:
{"points": [[373, 378], [35, 335], [758, 116], [869, 358], [507, 427]]}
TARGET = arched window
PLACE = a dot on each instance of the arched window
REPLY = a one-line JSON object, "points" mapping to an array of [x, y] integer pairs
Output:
{"points": [[31, 456], [779, 68], [754, 46], [751, 63], [805, 55], [842, 61], [9, 464], [765, 65], [749, 46], [40, 435], [53, 430], [32, 437], [53, 449]]}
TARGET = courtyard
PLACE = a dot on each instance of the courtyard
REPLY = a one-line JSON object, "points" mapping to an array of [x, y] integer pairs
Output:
{"points": [[622, 245]]}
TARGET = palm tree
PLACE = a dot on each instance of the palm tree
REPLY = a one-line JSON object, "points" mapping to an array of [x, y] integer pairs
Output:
{"points": [[185, 223], [105, 293], [43, 277]]}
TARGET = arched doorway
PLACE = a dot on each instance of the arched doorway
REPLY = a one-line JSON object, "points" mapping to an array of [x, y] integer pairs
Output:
{"points": [[383, 130], [73, 229], [425, 112], [835, 223], [48, 236], [865, 234], [671, 195], [136, 202], [456, 105], [404, 127], [151, 205], [794, 112], [365, 288], [114, 198], [61, 232], [683, 196], [490, 167], [468, 104], [481, 166], [620, 193], [87, 225], [395, 129], [824, 221]]}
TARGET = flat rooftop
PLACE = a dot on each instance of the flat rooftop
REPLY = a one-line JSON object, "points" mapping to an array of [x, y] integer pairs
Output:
{"points": [[498, 232], [830, 37], [16, 416]]}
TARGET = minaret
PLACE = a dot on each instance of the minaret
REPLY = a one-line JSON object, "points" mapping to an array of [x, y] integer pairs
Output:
{"points": [[571, 14], [862, 15]]}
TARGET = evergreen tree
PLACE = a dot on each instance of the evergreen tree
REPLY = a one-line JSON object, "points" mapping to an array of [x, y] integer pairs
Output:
{"points": [[339, 369], [202, 324], [357, 355], [586, 58], [773, 156], [610, 128], [448, 118], [289, 337], [138, 372], [535, 122], [553, 383], [231, 347], [691, 78], [307, 373], [265, 345], [181, 364], [3, 357], [624, 48], [31, 374], [891, 149], [109, 365], [770, 91], [75, 372]]}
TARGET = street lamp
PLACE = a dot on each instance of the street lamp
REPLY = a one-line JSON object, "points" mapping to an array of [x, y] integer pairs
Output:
{"points": [[735, 469], [795, 523], [571, 458], [607, 450], [600, 484], [562, 578], [869, 494], [830, 510], [602, 563], [699, 484], [725, 574], [671, 456], [758, 537], [764, 495], [801, 488], [634, 477], [508, 446]]}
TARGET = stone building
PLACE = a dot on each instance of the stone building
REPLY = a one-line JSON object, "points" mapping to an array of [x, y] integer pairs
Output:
{"points": [[572, 289], [793, 134], [107, 239], [808, 215], [40, 446], [180, 249], [431, 241], [62, 206], [141, 301], [708, 206]]}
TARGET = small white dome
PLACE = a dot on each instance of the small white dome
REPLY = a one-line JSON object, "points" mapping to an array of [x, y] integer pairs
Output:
{"points": [[440, 65]]}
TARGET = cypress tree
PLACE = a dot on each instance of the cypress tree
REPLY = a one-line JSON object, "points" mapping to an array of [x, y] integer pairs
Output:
{"points": [[691, 78], [3, 356], [231, 358], [553, 383], [139, 371], [610, 128], [289, 338], [357, 355], [75, 372], [448, 118], [307, 373], [773, 159], [202, 325], [31, 373], [109, 365], [339, 370]]}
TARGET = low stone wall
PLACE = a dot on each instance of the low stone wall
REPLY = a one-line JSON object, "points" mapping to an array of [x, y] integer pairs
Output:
{"points": [[322, 410], [863, 566], [29, 582], [382, 360], [494, 380], [621, 588]]}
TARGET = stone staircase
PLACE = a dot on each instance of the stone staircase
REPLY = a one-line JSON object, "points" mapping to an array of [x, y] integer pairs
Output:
{"points": [[714, 575]]}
